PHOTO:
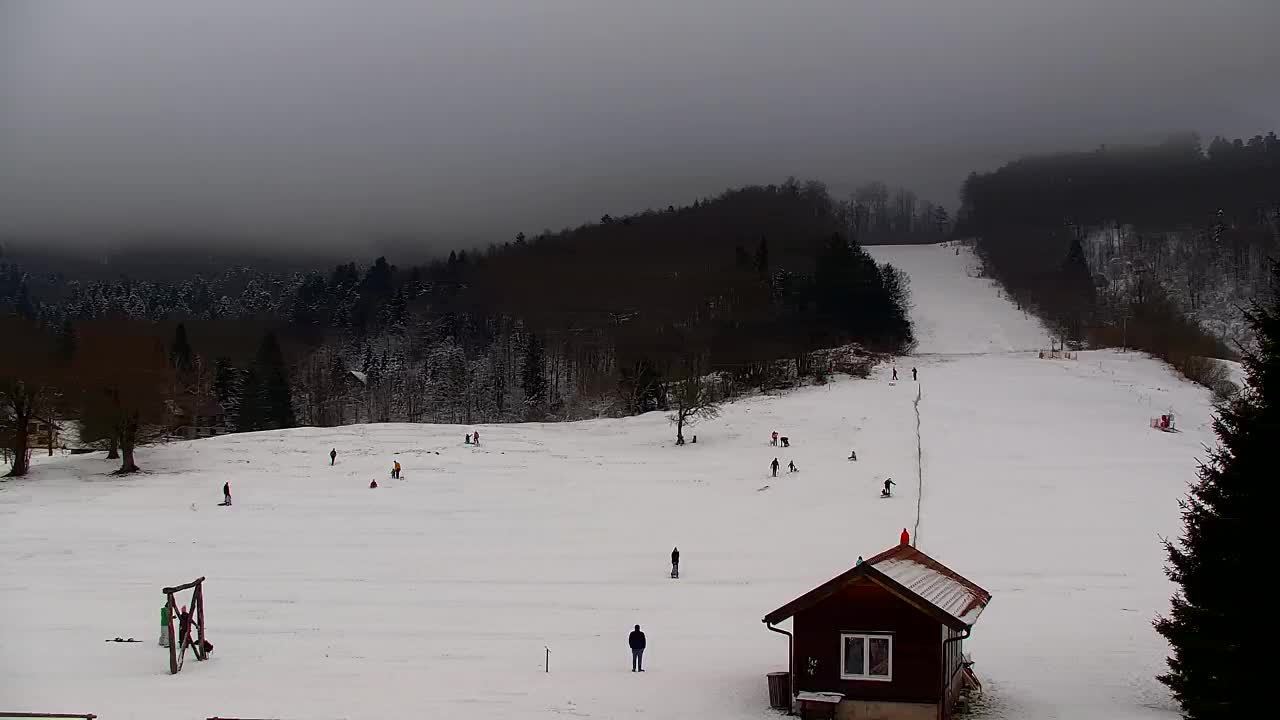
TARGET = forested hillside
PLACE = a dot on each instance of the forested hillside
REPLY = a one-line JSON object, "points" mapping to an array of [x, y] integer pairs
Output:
{"points": [[752, 289], [1154, 247]]}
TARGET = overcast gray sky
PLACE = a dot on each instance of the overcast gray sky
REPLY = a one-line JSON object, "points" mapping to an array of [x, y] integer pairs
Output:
{"points": [[460, 121]]}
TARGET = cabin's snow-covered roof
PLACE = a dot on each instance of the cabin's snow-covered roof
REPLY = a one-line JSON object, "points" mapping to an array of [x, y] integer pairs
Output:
{"points": [[364, 379], [940, 587], [905, 570]]}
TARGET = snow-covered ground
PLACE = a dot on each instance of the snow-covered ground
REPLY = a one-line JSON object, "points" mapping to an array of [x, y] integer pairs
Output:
{"points": [[436, 595], [955, 310]]}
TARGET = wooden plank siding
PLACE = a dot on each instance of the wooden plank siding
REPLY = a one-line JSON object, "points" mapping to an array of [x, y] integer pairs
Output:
{"points": [[952, 668], [866, 607]]}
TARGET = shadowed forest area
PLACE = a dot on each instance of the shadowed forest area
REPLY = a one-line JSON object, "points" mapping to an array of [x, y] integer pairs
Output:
{"points": [[1153, 247], [756, 289]]}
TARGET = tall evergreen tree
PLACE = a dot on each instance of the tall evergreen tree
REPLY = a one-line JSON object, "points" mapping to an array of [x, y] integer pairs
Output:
{"points": [[180, 351], [226, 386], [275, 396], [533, 377], [248, 412], [1216, 641], [762, 258]]}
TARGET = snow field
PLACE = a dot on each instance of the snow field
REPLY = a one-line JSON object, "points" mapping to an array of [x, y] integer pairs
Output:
{"points": [[957, 312], [437, 594]]}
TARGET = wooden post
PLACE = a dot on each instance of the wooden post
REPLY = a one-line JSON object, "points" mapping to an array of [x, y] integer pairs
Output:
{"points": [[173, 645], [199, 598]]}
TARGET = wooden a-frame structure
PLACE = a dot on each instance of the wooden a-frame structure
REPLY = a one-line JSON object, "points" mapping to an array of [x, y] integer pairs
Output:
{"points": [[195, 617]]}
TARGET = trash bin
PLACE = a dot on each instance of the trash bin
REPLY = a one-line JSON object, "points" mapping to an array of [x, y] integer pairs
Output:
{"points": [[780, 690]]}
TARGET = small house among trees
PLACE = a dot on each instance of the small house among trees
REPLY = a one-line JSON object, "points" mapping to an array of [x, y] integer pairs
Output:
{"points": [[883, 640], [197, 417]]}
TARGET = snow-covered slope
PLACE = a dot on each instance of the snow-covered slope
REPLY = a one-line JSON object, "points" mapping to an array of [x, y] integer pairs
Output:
{"points": [[954, 310], [436, 595]]}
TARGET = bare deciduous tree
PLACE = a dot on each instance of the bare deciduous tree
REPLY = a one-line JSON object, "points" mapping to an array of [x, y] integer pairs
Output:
{"points": [[124, 377], [26, 386], [693, 399]]}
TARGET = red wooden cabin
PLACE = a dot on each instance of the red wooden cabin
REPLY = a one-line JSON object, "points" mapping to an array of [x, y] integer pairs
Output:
{"points": [[886, 636]]}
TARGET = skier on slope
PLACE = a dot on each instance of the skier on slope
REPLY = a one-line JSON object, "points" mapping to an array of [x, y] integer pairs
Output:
{"points": [[774, 465], [333, 456]]}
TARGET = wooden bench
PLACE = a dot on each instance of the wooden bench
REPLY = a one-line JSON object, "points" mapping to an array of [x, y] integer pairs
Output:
{"points": [[818, 704]]}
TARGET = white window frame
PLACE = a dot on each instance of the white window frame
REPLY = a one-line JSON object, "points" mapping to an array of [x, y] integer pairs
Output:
{"points": [[866, 655]]}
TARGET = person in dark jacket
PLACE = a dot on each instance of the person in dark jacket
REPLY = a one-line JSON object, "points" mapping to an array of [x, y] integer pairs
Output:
{"points": [[333, 456], [913, 374], [888, 487], [774, 465], [636, 641], [226, 493], [675, 562]]}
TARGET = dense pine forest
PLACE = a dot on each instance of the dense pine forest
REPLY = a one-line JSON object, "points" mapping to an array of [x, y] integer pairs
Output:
{"points": [[1154, 247], [756, 289]]}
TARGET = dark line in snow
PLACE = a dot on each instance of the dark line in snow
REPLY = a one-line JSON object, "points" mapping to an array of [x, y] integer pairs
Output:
{"points": [[915, 533]]}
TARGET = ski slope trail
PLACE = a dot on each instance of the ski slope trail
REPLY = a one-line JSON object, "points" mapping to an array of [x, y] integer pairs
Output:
{"points": [[955, 311], [437, 595]]}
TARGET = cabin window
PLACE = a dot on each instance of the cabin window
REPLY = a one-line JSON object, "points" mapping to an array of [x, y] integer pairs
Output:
{"points": [[866, 656]]}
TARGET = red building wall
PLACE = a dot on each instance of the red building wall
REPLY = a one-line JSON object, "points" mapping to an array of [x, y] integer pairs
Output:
{"points": [[868, 608]]}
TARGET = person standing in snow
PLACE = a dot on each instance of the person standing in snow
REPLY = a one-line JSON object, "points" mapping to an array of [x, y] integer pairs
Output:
{"points": [[774, 465], [466, 439], [226, 493], [887, 485], [475, 438], [905, 538], [895, 374], [791, 466], [333, 456], [373, 484], [636, 641], [675, 562], [914, 377], [395, 470]]}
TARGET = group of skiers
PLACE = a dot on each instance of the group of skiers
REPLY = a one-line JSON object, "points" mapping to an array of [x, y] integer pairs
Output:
{"points": [[914, 376], [791, 466]]}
